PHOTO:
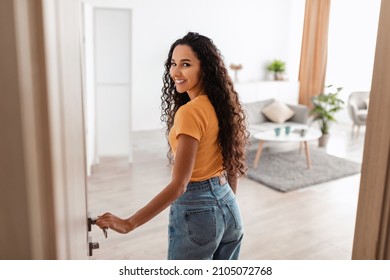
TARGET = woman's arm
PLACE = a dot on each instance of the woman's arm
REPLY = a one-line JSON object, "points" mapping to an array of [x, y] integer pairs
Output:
{"points": [[233, 182], [187, 147]]}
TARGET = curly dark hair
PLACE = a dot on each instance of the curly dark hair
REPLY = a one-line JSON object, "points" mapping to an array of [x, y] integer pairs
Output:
{"points": [[217, 84]]}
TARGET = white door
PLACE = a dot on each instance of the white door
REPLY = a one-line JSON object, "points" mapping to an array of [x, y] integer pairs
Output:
{"points": [[107, 47], [44, 203], [112, 73]]}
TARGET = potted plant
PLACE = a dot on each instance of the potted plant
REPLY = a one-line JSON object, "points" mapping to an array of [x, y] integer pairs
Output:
{"points": [[277, 67], [325, 107]]}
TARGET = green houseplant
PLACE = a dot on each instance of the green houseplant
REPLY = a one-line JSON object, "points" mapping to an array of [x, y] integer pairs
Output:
{"points": [[325, 105], [277, 67]]}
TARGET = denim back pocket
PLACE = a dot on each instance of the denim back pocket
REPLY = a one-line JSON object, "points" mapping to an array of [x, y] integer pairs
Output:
{"points": [[201, 225]]}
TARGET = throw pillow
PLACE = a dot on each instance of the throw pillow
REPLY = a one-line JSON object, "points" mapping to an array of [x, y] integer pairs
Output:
{"points": [[278, 112]]}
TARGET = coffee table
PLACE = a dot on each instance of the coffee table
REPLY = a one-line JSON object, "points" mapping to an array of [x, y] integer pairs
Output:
{"points": [[270, 136]]}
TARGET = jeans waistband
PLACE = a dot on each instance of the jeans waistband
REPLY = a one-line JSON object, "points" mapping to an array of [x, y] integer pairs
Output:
{"points": [[208, 183]]}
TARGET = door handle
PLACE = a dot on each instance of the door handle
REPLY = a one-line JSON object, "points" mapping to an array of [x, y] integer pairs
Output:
{"points": [[92, 246], [91, 221]]}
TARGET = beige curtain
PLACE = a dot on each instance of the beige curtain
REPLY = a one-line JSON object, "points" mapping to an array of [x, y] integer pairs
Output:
{"points": [[312, 67]]}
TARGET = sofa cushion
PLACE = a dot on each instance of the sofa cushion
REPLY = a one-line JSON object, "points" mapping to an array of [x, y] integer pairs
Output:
{"points": [[278, 112], [253, 111]]}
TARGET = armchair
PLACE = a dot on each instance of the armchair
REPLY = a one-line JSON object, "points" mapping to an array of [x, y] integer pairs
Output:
{"points": [[358, 103]]}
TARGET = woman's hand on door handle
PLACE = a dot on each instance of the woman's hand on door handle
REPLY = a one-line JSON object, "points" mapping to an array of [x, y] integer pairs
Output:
{"points": [[115, 223]]}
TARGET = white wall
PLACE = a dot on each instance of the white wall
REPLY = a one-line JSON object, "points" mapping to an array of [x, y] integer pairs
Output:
{"points": [[250, 32], [352, 39]]}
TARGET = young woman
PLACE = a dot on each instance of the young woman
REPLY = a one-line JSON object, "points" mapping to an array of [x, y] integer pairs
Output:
{"points": [[207, 136]]}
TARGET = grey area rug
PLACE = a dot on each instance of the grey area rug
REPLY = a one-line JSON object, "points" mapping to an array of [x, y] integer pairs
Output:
{"points": [[288, 171]]}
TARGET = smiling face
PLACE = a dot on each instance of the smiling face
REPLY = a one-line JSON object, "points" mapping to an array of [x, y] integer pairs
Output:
{"points": [[185, 71]]}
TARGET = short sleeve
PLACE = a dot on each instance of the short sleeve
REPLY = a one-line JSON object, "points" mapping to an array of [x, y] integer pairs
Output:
{"points": [[188, 121]]}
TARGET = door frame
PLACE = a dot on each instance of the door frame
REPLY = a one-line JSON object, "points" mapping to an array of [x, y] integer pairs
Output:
{"points": [[372, 228]]}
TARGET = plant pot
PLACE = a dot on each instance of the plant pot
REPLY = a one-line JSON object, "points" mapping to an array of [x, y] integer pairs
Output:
{"points": [[323, 140], [278, 76]]}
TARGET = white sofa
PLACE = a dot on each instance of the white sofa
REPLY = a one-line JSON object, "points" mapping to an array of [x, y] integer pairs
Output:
{"points": [[258, 122]]}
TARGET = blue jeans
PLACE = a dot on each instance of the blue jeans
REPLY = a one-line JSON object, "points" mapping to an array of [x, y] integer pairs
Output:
{"points": [[205, 223]]}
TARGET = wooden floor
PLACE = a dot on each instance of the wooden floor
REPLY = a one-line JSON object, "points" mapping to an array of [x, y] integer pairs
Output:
{"points": [[316, 222]]}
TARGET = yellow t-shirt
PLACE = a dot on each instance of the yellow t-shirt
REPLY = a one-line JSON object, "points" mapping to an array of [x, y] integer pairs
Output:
{"points": [[198, 119]]}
